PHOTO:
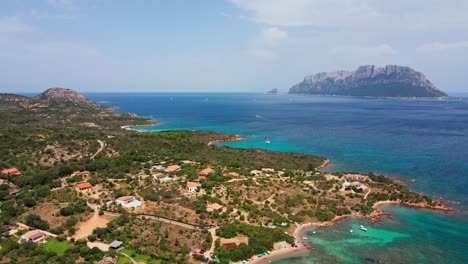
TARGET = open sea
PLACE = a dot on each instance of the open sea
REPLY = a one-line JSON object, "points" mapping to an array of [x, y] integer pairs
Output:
{"points": [[425, 141]]}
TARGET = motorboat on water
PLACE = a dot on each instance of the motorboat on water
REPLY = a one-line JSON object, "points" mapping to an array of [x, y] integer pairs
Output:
{"points": [[267, 141], [363, 228]]}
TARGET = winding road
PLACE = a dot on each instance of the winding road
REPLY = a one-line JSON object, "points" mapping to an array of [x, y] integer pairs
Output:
{"points": [[103, 145]]}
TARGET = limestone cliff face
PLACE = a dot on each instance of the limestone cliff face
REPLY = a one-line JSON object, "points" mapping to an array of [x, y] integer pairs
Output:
{"points": [[64, 95], [369, 80]]}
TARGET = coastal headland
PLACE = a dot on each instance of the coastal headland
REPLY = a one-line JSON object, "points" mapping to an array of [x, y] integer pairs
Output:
{"points": [[76, 164]]}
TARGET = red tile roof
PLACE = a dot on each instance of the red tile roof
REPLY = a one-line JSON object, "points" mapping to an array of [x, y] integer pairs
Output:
{"points": [[206, 171], [85, 172], [192, 184], [173, 168], [231, 244], [11, 171], [233, 174], [84, 185], [36, 235], [126, 198], [159, 175]]}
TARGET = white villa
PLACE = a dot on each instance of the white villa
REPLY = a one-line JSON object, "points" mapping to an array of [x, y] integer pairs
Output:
{"points": [[35, 236], [192, 186], [128, 201]]}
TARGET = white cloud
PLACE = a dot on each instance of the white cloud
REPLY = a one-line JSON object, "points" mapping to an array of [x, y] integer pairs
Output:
{"points": [[272, 36], [440, 46], [13, 25], [224, 14], [60, 2], [264, 46], [300, 12], [355, 51], [399, 15], [48, 15]]}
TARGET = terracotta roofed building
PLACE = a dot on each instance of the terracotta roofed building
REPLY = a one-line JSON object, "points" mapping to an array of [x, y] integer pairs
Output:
{"points": [[205, 172], [11, 171]]}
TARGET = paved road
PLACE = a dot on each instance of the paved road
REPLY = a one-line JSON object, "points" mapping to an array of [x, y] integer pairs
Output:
{"points": [[173, 222]]}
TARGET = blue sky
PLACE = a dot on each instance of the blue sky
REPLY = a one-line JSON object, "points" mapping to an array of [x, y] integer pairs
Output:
{"points": [[226, 46]]}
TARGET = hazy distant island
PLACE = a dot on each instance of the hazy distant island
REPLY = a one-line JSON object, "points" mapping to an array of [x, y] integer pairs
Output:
{"points": [[370, 80], [273, 91]]}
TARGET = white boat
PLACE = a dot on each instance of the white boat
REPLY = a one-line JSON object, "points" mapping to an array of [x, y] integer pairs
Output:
{"points": [[313, 232], [267, 141], [363, 228], [305, 238], [351, 231]]}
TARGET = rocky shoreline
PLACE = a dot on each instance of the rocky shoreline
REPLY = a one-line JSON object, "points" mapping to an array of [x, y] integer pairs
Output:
{"points": [[324, 164], [235, 138], [373, 218]]}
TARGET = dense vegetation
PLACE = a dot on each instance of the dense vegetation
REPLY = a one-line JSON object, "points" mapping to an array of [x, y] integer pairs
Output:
{"points": [[261, 240]]}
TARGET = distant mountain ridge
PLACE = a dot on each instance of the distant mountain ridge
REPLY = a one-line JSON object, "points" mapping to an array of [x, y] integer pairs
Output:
{"points": [[64, 95], [370, 80]]}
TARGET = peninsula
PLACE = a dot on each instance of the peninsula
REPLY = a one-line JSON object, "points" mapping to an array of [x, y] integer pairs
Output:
{"points": [[370, 81], [75, 187]]}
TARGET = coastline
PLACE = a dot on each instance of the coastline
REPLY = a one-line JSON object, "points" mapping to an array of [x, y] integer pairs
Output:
{"points": [[287, 252], [152, 122], [373, 218], [302, 246], [234, 138], [324, 164], [374, 97]]}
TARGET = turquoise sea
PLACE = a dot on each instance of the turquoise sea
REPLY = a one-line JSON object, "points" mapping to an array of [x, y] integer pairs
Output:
{"points": [[425, 141]]}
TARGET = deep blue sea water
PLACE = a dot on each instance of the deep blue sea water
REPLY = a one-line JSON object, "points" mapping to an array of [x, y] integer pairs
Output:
{"points": [[422, 140]]}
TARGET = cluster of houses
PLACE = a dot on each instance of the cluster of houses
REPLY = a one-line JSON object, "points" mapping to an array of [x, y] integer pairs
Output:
{"points": [[355, 180], [162, 173], [170, 168], [84, 185]]}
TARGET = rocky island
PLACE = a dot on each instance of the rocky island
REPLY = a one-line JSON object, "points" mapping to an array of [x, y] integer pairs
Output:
{"points": [[370, 81], [273, 91]]}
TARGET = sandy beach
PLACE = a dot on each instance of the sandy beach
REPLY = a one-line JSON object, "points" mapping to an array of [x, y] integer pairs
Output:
{"points": [[299, 231], [286, 251]]}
